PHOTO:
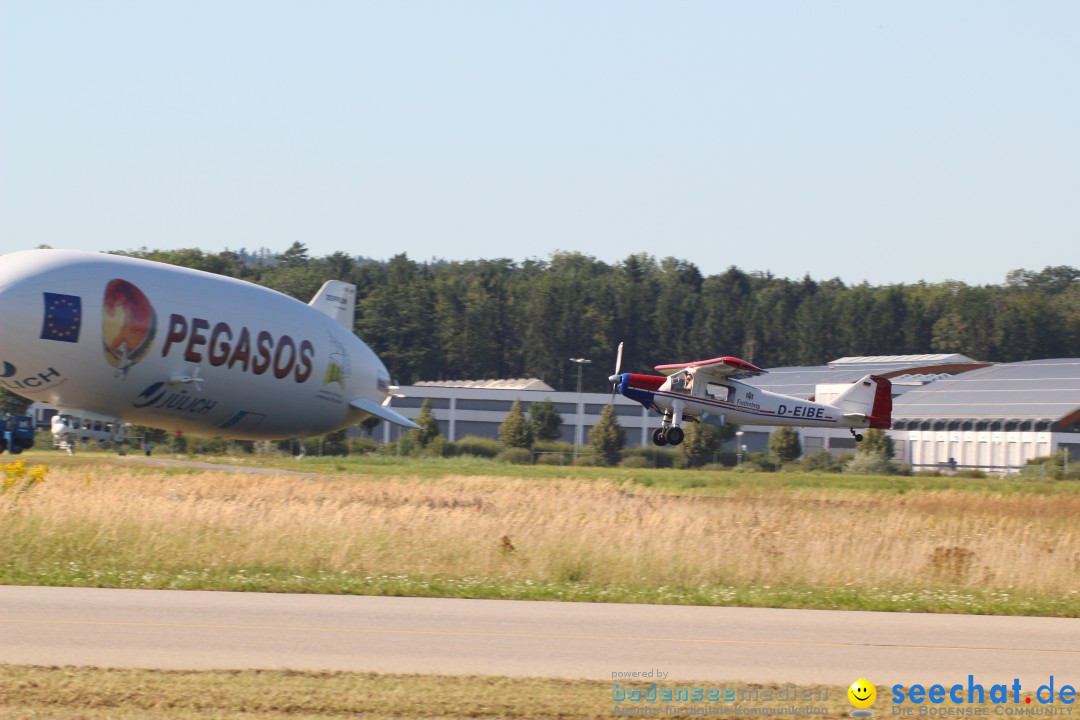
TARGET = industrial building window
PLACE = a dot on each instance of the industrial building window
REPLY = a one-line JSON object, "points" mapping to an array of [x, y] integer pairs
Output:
{"points": [[415, 402], [495, 405]]}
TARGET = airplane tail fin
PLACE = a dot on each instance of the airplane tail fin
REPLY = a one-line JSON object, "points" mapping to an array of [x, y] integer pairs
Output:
{"points": [[868, 399], [338, 300]]}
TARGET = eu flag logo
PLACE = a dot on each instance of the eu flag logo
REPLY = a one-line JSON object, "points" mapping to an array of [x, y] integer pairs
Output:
{"points": [[63, 317]]}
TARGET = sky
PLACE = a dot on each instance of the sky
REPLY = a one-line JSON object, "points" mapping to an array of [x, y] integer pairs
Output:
{"points": [[886, 142]]}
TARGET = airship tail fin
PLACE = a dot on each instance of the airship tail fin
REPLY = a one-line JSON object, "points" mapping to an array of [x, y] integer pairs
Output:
{"points": [[383, 413], [338, 300]]}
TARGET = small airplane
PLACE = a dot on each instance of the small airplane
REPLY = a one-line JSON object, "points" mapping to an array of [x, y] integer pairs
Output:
{"points": [[711, 391], [184, 350]]}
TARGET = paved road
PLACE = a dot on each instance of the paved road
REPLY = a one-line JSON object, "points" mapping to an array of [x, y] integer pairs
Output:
{"points": [[178, 629]]}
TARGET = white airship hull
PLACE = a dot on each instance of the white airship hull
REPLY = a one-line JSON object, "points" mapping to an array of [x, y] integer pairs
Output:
{"points": [[178, 349]]}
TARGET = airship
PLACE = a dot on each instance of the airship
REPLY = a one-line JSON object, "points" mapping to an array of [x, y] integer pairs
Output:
{"points": [[185, 350]]}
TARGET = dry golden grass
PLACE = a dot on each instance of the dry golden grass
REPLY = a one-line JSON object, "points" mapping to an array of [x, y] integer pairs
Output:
{"points": [[104, 694], [112, 694], [546, 531]]}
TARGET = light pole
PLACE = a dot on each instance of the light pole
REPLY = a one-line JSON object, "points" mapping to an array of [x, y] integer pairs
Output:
{"points": [[581, 363]]}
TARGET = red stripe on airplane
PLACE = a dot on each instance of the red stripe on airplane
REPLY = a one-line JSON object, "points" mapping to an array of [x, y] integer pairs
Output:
{"points": [[646, 382], [727, 360]]}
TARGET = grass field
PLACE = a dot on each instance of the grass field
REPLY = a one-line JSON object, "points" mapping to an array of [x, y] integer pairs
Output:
{"points": [[439, 528]]}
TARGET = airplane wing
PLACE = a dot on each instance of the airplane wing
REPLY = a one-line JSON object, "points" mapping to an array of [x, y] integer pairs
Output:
{"points": [[715, 369], [383, 413]]}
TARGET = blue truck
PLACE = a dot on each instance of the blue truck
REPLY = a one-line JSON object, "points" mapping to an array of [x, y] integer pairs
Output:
{"points": [[16, 433]]}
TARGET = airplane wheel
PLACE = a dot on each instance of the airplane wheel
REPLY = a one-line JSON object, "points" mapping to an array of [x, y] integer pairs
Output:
{"points": [[659, 437], [675, 435], [858, 437]]}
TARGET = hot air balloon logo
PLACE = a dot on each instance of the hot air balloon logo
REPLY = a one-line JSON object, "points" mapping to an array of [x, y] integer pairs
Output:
{"points": [[128, 325]]}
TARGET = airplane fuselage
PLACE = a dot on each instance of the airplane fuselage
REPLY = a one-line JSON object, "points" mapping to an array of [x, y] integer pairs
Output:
{"points": [[733, 401], [175, 348]]}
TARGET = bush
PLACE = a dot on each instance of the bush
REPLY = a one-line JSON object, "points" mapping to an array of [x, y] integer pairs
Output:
{"points": [[760, 462], [436, 447], [870, 463], [1053, 467], [552, 458], [362, 446], [635, 461], [472, 445], [821, 461], [515, 456], [553, 446], [655, 457]]}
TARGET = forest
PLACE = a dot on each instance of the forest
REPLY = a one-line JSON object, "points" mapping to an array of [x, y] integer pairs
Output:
{"points": [[477, 319]]}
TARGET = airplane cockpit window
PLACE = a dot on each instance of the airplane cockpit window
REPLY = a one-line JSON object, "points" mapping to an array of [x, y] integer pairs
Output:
{"points": [[719, 392]]}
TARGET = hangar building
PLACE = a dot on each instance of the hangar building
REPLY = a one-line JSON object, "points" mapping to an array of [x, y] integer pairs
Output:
{"points": [[948, 409]]}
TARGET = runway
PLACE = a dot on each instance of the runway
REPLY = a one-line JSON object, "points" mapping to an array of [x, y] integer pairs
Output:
{"points": [[201, 630]]}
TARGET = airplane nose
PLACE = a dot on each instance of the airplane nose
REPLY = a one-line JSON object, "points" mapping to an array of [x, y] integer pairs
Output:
{"points": [[614, 378]]}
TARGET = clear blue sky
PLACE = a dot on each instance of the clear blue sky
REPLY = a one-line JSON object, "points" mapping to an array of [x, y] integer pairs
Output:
{"points": [[881, 141]]}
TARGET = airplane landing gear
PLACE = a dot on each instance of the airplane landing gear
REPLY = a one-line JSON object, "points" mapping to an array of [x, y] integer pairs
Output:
{"points": [[667, 435], [857, 436]]}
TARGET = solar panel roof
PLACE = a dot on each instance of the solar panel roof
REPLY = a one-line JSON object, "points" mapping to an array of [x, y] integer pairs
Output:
{"points": [[1035, 390], [1038, 390]]}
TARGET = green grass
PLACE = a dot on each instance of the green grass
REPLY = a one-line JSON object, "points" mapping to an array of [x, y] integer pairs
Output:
{"points": [[294, 580], [706, 481]]}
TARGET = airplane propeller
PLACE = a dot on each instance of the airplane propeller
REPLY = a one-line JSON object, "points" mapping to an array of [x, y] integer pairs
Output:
{"points": [[192, 379], [614, 379]]}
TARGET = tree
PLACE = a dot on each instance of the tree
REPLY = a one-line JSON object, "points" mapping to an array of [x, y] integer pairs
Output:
{"points": [[874, 455], [429, 426], [515, 430], [784, 444], [12, 404], [701, 443], [295, 256], [607, 438], [545, 420], [876, 441]]}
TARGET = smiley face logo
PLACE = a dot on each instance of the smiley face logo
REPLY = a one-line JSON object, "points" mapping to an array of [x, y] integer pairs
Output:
{"points": [[862, 694]]}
